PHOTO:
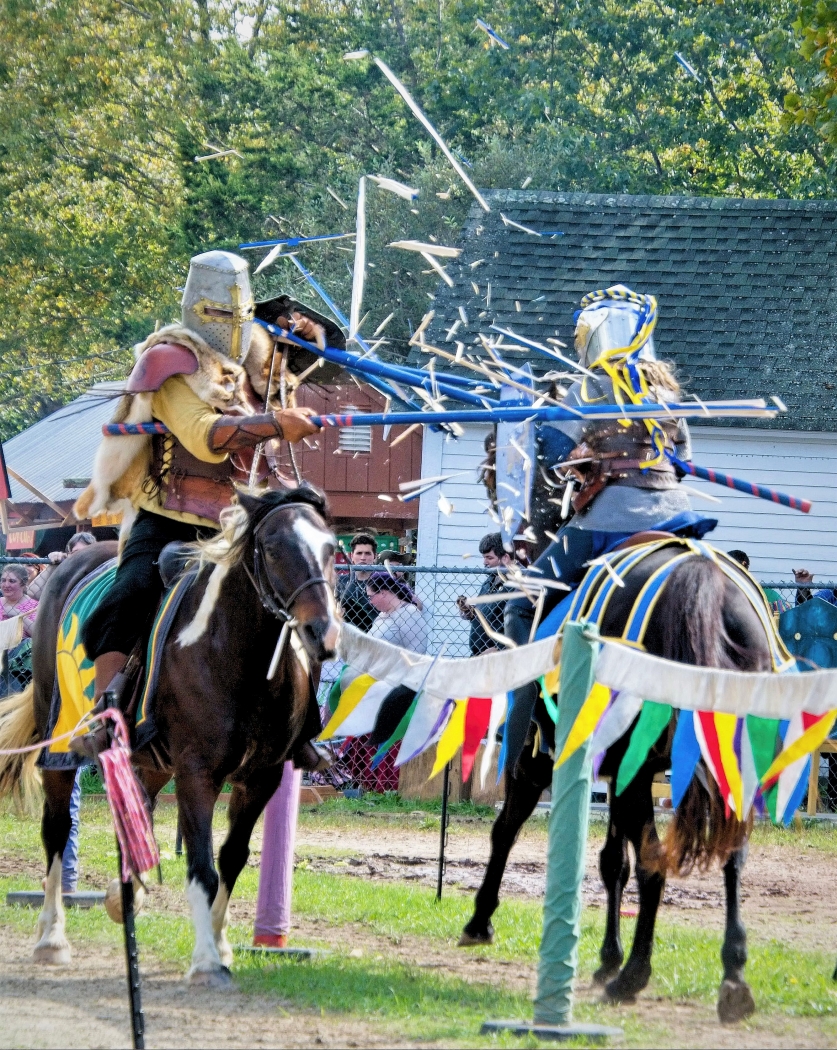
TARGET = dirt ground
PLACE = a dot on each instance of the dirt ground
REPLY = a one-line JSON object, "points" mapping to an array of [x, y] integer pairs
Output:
{"points": [[45, 1008], [807, 917]]}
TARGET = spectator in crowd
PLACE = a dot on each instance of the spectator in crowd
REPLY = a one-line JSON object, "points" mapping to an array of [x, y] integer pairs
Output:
{"points": [[777, 602], [805, 594], [395, 561], [14, 601], [399, 618], [351, 588], [494, 556], [79, 541]]}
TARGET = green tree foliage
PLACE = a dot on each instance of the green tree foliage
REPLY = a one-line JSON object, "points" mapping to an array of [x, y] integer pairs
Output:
{"points": [[104, 105], [816, 103]]}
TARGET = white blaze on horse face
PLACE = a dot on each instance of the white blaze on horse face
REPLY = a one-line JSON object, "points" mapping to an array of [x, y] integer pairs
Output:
{"points": [[205, 957], [315, 539], [196, 629], [318, 541], [53, 946]]}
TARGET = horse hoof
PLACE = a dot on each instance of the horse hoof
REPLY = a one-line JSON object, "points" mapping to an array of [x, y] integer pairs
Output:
{"points": [[219, 979], [468, 940], [605, 974], [113, 900], [626, 987], [735, 1002], [52, 954]]}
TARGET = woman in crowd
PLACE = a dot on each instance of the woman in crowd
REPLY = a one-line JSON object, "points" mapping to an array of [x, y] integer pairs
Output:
{"points": [[14, 601], [400, 620], [77, 542]]}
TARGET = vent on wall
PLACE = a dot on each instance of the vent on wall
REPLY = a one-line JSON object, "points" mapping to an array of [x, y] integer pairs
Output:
{"points": [[354, 439]]}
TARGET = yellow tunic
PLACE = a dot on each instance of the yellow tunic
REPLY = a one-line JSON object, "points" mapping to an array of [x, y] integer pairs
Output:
{"points": [[190, 420]]}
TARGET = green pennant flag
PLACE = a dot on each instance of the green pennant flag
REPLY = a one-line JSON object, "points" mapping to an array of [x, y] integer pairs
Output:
{"points": [[653, 719], [334, 692], [398, 735], [764, 744]]}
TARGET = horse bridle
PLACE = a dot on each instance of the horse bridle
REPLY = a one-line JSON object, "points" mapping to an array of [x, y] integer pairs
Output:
{"points": [[275, 604]]}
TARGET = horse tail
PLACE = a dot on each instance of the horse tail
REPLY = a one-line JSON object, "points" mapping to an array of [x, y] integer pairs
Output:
{"points": [[19, 776], [702, 830]]}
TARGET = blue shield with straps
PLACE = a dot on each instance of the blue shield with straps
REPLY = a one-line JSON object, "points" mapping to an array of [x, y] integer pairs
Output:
{"points": [[810, 633]]}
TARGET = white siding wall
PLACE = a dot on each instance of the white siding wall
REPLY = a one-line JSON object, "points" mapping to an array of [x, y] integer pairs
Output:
{"points": [[776, 538], [442, 540]]}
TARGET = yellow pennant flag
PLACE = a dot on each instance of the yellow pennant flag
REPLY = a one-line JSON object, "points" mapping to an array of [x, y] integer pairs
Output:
{"points": [[349, 700], [725, 726], [803, 745], [451, 739], [551, 680], [586, 721]]}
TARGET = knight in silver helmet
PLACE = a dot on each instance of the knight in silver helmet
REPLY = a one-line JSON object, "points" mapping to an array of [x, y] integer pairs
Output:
{"points": [[217, 303], [175, 485], [623, 483], [607, 325]]}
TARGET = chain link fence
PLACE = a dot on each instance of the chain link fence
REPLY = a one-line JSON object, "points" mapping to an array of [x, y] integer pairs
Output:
{"points": [[445, 626]]}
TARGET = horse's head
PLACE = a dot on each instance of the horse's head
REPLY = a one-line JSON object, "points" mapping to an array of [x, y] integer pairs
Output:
{"points": [[293, 564]]}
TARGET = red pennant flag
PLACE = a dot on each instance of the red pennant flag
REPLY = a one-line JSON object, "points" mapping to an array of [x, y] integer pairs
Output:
{"points": [[477, 716], [5, 487]]}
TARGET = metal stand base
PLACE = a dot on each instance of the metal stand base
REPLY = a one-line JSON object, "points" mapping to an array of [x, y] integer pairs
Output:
{"points": [[35, 899], [557, 1032], [280, 953]]}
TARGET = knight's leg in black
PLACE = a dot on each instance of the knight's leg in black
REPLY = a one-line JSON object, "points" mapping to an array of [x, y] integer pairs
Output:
{"points": [[523, 789], [615, 870], [637, 811], [247, 802], [126, 612], [53, 946], [735, 1000], [564, 560]]}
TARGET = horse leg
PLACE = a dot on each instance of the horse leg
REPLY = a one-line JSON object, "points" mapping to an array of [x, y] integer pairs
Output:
{"points": [[522, 793], [53, 946], [636, 811], [615, 870], [735, 1000], [152, 780], [247, 803], [196, 798]]}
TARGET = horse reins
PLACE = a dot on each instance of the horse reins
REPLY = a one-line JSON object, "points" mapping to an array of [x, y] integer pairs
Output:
{"points": [[281, 608]]}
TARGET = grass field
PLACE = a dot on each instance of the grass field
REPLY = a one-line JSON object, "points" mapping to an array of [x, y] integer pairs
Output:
{"points": [[391, 961]]}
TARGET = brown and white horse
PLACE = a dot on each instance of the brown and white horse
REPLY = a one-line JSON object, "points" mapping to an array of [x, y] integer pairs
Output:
{"points": [[219, 717]]}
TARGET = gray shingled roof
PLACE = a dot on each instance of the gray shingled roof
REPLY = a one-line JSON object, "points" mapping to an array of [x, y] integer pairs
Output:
{"points": [[747, 289], [61, 446]]}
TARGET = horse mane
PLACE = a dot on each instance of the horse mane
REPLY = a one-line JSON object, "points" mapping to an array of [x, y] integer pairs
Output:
{"points": [[239, 522]]}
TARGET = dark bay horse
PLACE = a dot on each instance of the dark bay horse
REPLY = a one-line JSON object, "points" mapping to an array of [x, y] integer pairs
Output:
{"points": [[219, 718], [702, 618]]}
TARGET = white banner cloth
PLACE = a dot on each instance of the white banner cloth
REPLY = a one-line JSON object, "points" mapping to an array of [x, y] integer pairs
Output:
{"points": [[764, 694]]}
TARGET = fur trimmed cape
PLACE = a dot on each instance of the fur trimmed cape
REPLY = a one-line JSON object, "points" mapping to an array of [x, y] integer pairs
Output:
{"points": [[122, 461]]}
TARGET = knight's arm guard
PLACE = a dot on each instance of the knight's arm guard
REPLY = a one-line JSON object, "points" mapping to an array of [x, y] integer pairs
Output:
{"points": [[232, 433]]}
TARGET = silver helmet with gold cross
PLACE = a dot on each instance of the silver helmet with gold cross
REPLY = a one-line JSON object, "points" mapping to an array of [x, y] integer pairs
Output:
{"points": [[218, 304]]}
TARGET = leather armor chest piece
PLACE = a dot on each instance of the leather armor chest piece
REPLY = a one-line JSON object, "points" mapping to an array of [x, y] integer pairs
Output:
{"points": [[188, 484]]}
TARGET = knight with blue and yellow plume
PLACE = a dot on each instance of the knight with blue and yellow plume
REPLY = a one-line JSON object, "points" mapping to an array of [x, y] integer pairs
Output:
{"points": [[621, 475]]}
